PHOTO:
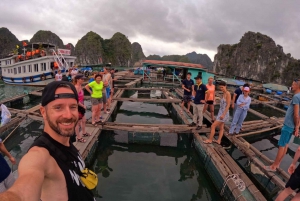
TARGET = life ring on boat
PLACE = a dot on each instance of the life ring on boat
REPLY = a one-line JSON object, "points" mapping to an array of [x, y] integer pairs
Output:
{"points": [[12, 79], [24, 79], [43, 77], [52, 74], [31, 79]]}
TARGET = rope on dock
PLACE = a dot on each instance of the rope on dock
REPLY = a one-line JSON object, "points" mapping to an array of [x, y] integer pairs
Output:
{"points": [[240, 184]]}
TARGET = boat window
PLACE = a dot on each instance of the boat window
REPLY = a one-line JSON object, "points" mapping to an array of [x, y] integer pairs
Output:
{"points": [[44, 68], [19, 69], [15, 70], [4, 70], [0, 63], [36, 68], [29, 69], [24, 69], [7, 62]]}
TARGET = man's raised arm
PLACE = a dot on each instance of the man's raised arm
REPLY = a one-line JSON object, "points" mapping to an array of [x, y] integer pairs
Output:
{"points": [[32, 171]]}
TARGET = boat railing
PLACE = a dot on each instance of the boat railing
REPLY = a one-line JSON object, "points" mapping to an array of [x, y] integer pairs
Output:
{"points": [[60, 60]]}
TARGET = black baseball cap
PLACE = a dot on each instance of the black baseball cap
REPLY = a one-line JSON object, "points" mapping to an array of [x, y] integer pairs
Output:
{"points": [[49, 95]]}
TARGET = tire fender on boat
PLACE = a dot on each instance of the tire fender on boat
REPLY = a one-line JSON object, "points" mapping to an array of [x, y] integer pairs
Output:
{"points": [[24, 79], [12, 79], [52, 74], [43, 77], [31, 79]]}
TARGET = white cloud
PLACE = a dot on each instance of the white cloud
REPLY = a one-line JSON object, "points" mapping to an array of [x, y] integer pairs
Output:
{"points": [[160, 26]]}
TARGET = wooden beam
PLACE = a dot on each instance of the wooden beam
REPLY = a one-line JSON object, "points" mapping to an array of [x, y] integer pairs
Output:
{"points": [[147, 89], [155, 128], [148, 100], [13, 122]]}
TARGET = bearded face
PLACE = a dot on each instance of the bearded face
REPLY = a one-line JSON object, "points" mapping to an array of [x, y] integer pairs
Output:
{"points": [[62, 126]]}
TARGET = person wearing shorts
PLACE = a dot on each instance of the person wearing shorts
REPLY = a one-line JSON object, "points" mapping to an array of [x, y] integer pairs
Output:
{"points": [[107, 82], [96, 98], [211, 98], [188, 86], [6, 177], [290, 126], [294, 181]]}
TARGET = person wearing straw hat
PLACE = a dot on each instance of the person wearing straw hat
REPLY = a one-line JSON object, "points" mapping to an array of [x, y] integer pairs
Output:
{"points": [[243, 105], [6, 177]]}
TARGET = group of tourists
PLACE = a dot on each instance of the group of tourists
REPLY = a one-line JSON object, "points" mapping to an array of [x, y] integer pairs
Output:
{"points": [[204, 98]]}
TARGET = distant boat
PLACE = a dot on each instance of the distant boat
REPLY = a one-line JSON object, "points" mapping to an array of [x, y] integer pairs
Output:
{"points": [[36, 66]]}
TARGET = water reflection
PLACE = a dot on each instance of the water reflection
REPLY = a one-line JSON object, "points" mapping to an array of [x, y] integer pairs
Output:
{"points": [[146, 172]]}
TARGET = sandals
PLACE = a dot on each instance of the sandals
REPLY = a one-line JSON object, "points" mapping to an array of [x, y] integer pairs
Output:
{"points": [[215, 141], [86, 134], [95, 124], [81, 140]]}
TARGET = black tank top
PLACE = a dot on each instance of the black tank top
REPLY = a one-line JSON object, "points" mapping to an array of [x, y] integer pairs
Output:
{"points": [[76, 190]]}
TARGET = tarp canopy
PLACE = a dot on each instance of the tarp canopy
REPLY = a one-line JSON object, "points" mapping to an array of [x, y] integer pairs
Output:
{"points": [[275, 87], [232, 82]]}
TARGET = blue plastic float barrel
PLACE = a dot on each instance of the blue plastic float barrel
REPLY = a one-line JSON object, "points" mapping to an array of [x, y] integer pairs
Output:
{"points": [[278, 92], [268, 91]]}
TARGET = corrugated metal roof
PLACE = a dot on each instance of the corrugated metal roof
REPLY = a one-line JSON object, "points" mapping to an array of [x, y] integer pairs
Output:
{"points": [[172, 63]]}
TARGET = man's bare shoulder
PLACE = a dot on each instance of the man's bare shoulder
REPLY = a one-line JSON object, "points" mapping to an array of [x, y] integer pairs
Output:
{"points": [[36, 156]]}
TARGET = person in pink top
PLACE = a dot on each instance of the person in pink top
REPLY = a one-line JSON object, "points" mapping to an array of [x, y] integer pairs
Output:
{"points": [[211, 98], [78, 80]]}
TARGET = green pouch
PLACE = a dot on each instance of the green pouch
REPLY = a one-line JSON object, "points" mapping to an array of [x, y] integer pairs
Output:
{"points": [[296, 140]]}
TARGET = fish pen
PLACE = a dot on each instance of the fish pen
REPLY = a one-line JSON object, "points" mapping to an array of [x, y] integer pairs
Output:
{"points": [[235, 172]]}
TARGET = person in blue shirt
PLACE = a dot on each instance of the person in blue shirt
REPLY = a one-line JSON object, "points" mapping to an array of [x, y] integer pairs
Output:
{"points": [[201, 96], [290, 126], [6, 177], [243, 105], [187, 85]]}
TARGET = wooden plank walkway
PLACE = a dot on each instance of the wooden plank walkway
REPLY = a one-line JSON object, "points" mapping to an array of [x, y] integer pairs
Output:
{"points": [[151, 100], [134, 82], [246, 148], [223, 163], [147, 89], [155, 128]]}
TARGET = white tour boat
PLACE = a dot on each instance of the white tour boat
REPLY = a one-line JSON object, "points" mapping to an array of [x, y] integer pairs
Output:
{"points": [[36, 66]]}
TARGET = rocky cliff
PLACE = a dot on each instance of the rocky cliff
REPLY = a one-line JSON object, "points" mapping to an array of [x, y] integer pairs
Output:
{"points": [[202, 59], [8, 41], [257, 57], [89, 49], [47, 37], [137, 52], [192, 57]]}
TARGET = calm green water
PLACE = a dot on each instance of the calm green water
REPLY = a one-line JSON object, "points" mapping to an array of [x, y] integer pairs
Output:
{"points": [[9, 91], [148, 172]]}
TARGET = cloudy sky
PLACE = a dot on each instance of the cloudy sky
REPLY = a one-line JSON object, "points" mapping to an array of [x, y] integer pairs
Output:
{"points": [[160, 26]]}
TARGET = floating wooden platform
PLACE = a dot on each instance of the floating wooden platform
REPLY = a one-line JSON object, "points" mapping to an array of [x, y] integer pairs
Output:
{"points": [[151, 100], [157, 128], [147, 89], [134, 82], [223, 163]]}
